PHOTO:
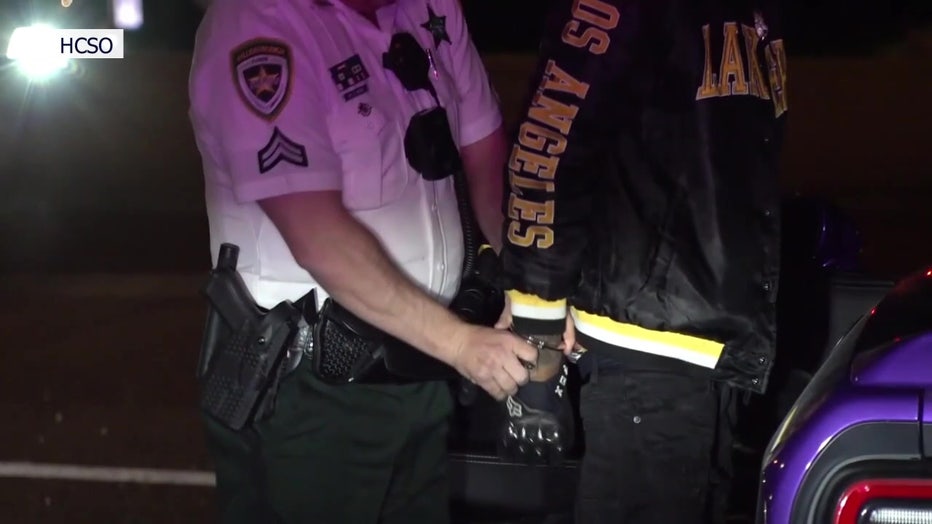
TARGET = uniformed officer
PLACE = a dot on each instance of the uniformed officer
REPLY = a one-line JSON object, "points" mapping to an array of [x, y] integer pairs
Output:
{"points": [[301, 130]]}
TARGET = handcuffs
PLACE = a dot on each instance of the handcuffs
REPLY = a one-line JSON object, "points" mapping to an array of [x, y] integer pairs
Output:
{"points": [[541, 344]]}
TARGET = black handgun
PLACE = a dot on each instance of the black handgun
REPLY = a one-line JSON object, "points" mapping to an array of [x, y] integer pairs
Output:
{"points": [[243, 346]]}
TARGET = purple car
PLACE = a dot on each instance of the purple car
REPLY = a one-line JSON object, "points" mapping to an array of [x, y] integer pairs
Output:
{"points": [[856, 447]]}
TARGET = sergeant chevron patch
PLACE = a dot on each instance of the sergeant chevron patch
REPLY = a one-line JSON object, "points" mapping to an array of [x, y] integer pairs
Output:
{"points": [[281, 149]]}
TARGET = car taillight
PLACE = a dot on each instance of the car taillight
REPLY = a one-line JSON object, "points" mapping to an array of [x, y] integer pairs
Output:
{"points": [[886, 501]]}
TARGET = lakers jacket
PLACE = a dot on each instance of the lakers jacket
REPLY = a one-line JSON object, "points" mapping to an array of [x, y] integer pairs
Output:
{"points": [[643, 182]]}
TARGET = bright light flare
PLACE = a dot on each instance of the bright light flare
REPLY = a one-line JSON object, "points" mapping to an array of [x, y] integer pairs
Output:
{"points": [[28, 51], [127, 14]]}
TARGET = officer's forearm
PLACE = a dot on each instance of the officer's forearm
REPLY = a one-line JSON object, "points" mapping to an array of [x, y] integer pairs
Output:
{"points": [[354, 268], [484, 163], [358, 273]]}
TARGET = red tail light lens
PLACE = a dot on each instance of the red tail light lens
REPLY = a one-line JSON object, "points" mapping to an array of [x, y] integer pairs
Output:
{"points": [[886, 501]]}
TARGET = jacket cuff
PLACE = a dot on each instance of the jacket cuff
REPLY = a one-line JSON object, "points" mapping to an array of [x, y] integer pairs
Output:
{"points": [[532, 315], [533, 326]]}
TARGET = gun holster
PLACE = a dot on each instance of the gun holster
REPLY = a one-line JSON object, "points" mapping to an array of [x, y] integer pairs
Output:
{"points": [[246, 350]]}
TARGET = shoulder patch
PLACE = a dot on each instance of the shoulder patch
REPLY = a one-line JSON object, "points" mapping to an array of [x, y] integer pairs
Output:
{"points": [[262, 73], [279, 149]]}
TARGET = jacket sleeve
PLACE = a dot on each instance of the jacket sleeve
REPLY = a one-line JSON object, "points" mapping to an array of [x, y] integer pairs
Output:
{"points": [[587, 51]]}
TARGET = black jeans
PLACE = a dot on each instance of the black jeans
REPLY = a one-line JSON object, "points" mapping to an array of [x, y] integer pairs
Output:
{"points": [[353, 454], [658, 444]]}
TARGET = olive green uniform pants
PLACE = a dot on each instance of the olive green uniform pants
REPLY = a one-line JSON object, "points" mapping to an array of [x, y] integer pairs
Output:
{"points": [[352, 454]]}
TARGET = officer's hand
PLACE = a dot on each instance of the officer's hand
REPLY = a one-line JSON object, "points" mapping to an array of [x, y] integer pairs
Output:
{"points": [[538, 425], [504, 320], [490, 359]]}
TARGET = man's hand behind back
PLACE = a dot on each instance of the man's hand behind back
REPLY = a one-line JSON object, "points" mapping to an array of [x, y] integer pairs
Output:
{"points": [[490, 359], [567, 345]]}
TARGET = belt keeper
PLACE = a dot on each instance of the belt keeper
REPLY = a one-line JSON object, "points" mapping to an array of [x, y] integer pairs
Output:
{"points": [[301, 346]]}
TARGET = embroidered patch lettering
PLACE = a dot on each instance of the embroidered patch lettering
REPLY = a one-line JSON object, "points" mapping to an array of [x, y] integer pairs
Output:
{"points": [[262, 72], [281, 149], [350, 77]]}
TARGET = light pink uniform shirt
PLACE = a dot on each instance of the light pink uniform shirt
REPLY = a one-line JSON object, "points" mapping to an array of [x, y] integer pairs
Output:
{"points": [[290, 96]]}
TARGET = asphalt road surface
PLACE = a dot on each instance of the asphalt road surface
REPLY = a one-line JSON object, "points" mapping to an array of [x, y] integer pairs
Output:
{"points": [[98, 395], [100, 378]]}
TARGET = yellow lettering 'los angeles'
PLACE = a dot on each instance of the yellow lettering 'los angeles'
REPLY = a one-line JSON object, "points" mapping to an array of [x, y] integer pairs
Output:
{"points": [[599, 18], [536, 155], [542, 136]]}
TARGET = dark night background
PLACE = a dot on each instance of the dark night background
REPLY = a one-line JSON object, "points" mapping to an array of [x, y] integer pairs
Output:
{"points": [[813, 26], [859, 116]]}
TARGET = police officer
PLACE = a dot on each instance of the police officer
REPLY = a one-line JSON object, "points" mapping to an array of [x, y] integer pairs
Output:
{"points": [[301, 130], [644, 208]]}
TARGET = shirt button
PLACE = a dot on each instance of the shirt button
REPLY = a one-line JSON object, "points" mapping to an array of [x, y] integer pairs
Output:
{"points": [[755, 381], [762, 360], [768, 213], [433, 207], [767, 285]]}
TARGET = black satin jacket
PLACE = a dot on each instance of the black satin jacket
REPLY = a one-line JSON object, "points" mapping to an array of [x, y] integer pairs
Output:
{"points": [[643, 181]]}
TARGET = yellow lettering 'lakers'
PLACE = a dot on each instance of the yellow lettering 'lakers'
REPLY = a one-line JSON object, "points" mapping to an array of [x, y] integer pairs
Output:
{"points": [[709, 86], [731, 79], [775, 54], [756, 82], [740, 73]]}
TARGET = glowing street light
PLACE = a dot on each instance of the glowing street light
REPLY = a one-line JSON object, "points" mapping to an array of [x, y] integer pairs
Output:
{"points": [[29, 52], [127, 14]]}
